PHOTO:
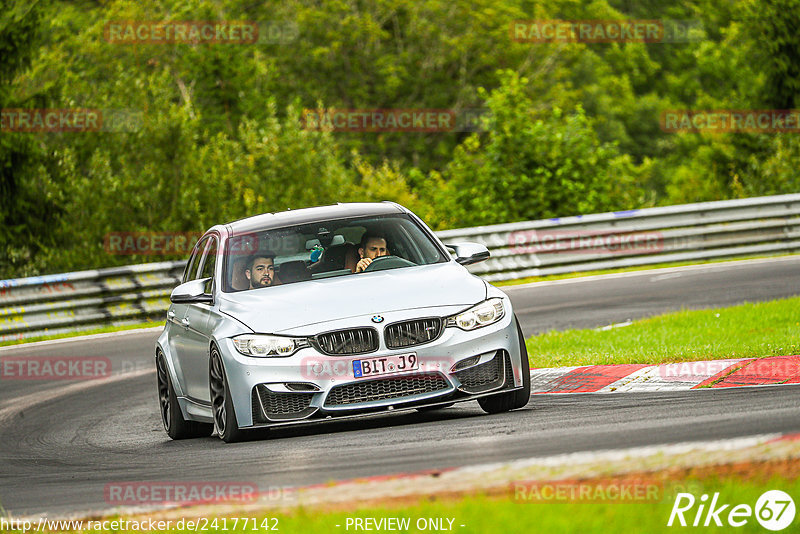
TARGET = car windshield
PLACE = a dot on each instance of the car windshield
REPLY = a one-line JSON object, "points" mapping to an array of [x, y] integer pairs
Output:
{"points": [[326, 249]]}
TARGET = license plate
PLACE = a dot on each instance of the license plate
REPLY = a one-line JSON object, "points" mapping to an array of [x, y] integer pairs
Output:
{"points": [[385, 365]]}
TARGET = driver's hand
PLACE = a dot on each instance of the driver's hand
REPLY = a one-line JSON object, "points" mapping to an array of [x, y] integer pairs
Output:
{"points": [[362, 264]]}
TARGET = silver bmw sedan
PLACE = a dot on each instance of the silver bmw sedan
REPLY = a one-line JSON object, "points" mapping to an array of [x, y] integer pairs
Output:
{"points": [[331, 312]]}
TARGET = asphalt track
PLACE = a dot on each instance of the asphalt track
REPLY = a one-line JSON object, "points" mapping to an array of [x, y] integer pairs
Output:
{"points": [[62, 442]]}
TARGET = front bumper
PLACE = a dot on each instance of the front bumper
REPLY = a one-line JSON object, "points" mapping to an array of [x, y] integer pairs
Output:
{"points": [[310, 386]]}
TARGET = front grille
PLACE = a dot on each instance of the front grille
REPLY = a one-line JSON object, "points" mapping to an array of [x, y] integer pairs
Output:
{"points": [[486, 376], [352, 341], [385, 388], [277, 406], [412, 333]]}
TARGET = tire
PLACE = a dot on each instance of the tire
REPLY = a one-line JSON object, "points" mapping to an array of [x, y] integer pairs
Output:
{"points": [[171, 417], [225, 424], [504, 402]]}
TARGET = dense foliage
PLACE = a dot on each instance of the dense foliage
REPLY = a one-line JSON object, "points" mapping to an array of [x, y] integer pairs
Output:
{"points": [[215, 131]]}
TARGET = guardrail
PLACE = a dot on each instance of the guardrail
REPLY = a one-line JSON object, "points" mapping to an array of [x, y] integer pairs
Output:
{"points": [[70, 302], [688, 232], [692, 232]]}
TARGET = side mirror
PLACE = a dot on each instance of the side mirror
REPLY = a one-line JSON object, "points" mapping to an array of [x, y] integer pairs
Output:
{"points": [[192, 292], [469, 253]]}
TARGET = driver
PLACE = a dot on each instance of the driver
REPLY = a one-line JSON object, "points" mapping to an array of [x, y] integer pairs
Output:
{"points": [[372, 246], [260, 270]]}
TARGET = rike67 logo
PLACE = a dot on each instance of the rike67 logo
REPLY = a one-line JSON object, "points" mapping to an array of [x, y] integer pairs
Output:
{"points": [[774, 510]]}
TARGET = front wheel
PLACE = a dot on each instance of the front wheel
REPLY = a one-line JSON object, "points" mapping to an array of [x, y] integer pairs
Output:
{"points": [[171, 417], [504, 402], [221, 404]]}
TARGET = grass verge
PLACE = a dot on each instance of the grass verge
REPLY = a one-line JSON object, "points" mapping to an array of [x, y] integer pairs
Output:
{"points": [[527, 508], [745, 331], [505, 515], [485, 514]]}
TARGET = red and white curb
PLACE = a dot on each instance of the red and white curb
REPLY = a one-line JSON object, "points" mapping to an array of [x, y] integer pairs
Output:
{"points": [[667, 377]]}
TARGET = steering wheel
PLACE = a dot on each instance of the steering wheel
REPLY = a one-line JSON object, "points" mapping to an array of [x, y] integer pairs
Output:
{"points": [[382, 263]]}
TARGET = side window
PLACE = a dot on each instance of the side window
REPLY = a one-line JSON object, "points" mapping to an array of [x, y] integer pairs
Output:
{"points": [[191, 268], [209, 263]]}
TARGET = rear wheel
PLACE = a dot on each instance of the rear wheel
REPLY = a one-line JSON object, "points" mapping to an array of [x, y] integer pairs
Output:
{"points": [[504, 402], [171, 417], [221, 404]]}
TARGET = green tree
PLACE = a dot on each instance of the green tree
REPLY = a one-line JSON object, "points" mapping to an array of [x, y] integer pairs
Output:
{"points": [[28, 191], [775, 25], [533, 165]]}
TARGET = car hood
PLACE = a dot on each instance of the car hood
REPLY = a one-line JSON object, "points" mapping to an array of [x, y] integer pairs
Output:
{"points": [[276, 309]]}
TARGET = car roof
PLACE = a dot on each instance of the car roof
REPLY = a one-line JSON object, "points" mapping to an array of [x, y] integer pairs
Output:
{"points": [[281, 219]]}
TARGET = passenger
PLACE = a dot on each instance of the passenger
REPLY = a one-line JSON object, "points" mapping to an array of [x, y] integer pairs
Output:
{"points": [[372, 246], [260, 270]]}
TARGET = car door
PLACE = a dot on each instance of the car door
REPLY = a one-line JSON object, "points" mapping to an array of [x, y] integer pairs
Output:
{"points": [[177, 312], [194, 355]]}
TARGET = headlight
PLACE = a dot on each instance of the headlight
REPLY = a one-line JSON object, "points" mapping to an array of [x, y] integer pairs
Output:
{"points": [[268, 346], [483, 314]]}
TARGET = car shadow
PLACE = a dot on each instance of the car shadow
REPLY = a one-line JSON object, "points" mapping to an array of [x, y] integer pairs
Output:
{"points": [[368, 422]]}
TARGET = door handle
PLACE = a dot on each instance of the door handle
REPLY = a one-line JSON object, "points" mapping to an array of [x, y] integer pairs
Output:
{"points": [[185, 322], [171, 314]]}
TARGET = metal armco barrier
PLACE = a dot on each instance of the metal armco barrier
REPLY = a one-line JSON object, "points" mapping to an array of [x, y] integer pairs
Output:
{"points": [[689, 232], [83, 300], [727, 229]]}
